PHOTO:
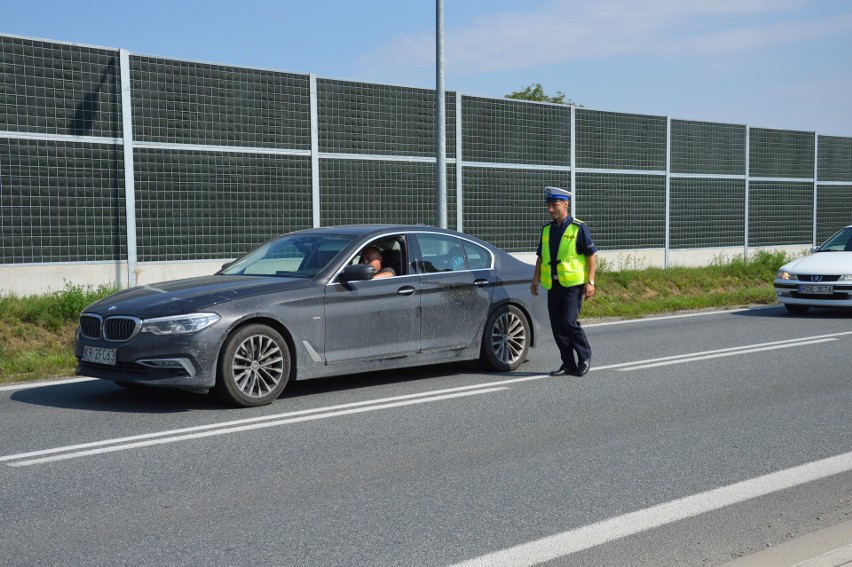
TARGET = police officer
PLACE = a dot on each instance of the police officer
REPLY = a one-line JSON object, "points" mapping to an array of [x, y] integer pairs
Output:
{"points": [[566, 268]]}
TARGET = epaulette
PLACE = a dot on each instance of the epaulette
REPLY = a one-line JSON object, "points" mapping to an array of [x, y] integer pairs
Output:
{"points": [[578, 222]]}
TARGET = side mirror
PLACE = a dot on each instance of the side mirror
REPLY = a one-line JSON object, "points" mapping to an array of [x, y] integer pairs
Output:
{"points": [[356, 273], [813, 249]]}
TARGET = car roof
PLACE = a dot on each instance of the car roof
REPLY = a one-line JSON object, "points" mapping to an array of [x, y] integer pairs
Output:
{"points": [[370, 230], [365, 229]]}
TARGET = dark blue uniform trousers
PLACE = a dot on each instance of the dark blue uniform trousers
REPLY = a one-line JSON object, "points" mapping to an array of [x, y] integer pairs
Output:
{"points": [[563, 306]]}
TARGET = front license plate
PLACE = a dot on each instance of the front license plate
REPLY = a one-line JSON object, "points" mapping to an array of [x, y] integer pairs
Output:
{"points": [[816, 289], [99, 355]]}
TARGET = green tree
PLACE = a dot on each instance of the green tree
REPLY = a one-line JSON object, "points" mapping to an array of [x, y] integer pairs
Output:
{"points": [[535, 92]]}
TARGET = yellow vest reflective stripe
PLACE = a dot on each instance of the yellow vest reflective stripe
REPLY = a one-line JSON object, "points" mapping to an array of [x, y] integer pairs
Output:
{"points": [[571, 267]]}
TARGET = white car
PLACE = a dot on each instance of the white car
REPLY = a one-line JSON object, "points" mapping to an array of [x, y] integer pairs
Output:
{"points": [[823, 279]]}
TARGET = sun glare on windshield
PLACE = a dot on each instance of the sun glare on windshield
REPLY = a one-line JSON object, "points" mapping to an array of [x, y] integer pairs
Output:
{"points": [[291, 256]]}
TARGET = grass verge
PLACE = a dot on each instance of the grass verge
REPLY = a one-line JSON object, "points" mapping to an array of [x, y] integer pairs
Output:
{"points": [[639, 292], [37, 332]]}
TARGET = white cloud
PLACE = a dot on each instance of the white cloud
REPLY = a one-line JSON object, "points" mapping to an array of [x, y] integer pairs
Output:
{"points": [[560, 31]]}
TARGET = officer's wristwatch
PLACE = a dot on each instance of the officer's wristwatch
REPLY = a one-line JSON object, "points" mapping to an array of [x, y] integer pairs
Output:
{"points": [[591, 282]]}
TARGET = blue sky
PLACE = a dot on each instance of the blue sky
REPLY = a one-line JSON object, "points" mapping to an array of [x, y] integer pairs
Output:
{"points": [[766, 63]]}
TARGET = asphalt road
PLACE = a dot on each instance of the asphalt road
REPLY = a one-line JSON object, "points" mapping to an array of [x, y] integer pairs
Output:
{"points": [[694, 440]]}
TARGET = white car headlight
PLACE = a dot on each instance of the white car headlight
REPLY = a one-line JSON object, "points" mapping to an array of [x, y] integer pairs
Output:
{"points": [[784, 275], [179, 324], [846, 278]]}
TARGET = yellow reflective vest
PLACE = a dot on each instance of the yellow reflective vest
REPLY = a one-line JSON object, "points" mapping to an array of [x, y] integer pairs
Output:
{"points": [[571, 267]]}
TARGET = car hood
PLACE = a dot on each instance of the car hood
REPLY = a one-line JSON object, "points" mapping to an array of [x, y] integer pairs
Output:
{"points": [[189, 295], [824, 263]]}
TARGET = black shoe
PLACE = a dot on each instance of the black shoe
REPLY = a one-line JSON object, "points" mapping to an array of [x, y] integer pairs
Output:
{"points": [[563, 372], [583, 367]]}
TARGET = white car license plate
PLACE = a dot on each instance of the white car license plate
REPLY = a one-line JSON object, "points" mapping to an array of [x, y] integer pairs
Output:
{"points": [[816, 289], [99, 355]]}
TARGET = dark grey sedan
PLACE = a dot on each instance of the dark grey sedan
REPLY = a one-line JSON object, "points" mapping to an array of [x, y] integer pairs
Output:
{"points": [[304, 305]]}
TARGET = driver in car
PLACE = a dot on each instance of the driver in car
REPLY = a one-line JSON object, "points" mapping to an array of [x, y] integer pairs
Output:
{"points": [[372, 256]]}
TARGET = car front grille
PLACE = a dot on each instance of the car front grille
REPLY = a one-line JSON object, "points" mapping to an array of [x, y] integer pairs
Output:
{"points": [[90, 326], [119, 328], [817, 279]]}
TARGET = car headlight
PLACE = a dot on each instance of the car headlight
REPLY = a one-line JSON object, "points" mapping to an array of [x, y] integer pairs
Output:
{"points": [[179, 324], [846, 278], [784, 275]]}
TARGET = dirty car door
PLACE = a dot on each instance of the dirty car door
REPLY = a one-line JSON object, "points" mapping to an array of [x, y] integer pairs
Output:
{"points": [[456, 278], [372, 319]]}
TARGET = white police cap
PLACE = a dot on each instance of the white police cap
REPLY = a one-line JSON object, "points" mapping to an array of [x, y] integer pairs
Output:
{"points": [[555, 193]]}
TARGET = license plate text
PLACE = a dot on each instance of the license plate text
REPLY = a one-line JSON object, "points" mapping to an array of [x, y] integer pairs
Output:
{"points": [[99, 355]]}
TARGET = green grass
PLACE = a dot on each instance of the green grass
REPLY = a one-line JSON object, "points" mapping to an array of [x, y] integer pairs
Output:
{"points": [[37, 332], [634, 292]]}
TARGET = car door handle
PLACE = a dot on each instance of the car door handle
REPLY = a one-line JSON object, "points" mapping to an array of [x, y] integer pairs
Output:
{"points": [[407, 290], [481, 283]]}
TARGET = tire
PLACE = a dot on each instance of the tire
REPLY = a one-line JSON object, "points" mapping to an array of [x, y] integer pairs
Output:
{"points": [[796, 309], [254, 367], [506, 339]]}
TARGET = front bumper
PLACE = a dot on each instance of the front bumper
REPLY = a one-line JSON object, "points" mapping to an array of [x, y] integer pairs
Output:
{"points": [[138, 374], [787, 291], [168, 362]]}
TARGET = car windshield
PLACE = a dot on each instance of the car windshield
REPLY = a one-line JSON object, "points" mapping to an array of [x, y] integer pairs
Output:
{"points": [[291, 256], [842, 241]]}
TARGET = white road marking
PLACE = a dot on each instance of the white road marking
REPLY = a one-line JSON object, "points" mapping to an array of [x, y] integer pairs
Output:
{"points": [[28, 385], [161, 438], [168, 436], [801, 341], [719, 355], [245, 421], [97, 447], [676, 316], [586, 537]]}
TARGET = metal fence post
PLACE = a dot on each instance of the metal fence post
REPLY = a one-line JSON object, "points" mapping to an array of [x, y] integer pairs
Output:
{"points": [[816, 185], [129, 177], [459, 167], [573, 159], [666, 254], [441, 123], [315, 171], [747, 184]]}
